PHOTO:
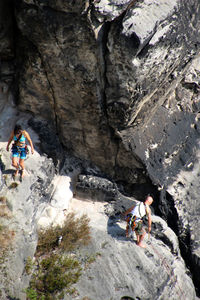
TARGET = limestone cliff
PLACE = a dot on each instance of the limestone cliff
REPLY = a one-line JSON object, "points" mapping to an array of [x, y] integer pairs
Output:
{"points": [[115, 84]]}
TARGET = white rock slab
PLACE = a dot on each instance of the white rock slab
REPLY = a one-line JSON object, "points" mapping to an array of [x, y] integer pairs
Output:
{"points": [[62, 193]]}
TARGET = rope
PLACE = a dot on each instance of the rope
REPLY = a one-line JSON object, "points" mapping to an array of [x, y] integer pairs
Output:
{"points": [[169, 271]]}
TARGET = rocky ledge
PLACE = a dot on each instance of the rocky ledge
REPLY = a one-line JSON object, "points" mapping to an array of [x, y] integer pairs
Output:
{"points": [[109, 89]]}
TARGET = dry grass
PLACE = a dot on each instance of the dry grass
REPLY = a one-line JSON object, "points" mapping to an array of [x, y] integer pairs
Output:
{"points": [[6, 237], [75, 232], [5, 211], [3, 199]]}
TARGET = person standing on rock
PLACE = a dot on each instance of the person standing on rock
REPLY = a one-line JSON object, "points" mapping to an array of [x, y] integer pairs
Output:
{"points": [[19, 148], [134, 219]]}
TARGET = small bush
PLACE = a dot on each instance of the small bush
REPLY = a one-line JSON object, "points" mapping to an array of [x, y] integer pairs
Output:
{"points": [[13, 185], [74, 232], [53, 274], [29, 265], [31, 294]]}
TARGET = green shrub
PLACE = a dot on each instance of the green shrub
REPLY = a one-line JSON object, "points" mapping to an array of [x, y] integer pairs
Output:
{"points": [[29, 265], [54, 271], [53, 274], [31, 294]]}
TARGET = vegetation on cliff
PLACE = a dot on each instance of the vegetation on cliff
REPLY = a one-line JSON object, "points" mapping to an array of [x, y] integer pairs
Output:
{"points": [[55, 268]]}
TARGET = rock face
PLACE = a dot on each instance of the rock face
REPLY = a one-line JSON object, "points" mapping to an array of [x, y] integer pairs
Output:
{"points": [[66, 65], [6, 29], [113, 74], [121, 269], [117, 84], [36, 202]]}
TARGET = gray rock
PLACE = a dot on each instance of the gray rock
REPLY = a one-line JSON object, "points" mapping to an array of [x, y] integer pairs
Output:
{"points": [[118, 88], [92, 187], [142, 77], [58, 61], [109, 10], [25, 201], [120, 268], [6, 31], [146, 21]]}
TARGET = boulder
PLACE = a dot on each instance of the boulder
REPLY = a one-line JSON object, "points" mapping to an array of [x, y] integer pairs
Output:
{"points": [[93, 187]]}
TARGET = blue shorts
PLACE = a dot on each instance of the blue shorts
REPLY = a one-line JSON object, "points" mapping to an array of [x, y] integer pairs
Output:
{"points": [[19, 152]]}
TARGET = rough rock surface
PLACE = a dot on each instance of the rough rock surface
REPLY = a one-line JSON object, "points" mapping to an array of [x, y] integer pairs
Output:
{"points": [[6, 30], [117, 84], [40, 200], [36, 202], [95, 187], [25, 201], [121, 268], [66, 64]]}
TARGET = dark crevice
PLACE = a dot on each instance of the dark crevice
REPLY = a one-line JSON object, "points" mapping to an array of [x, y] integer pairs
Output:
{"points": [[8, 25], [104, 49], [187, 255], [52, 92], [128, 298], [17, 59], [166, 210], [103, 39], [193, 86], [139, 190], [103, 52]]}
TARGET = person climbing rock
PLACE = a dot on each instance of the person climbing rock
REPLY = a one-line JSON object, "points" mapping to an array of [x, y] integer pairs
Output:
{"points": [[134, 219], [19, 148]]}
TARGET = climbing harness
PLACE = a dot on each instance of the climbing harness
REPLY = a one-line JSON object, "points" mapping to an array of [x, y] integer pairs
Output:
{"points": [[133, 220], [17, 147], [131, 224]]}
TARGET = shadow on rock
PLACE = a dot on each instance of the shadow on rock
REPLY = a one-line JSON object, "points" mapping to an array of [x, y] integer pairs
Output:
{"points": [[8, 171], [116, 229]]}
